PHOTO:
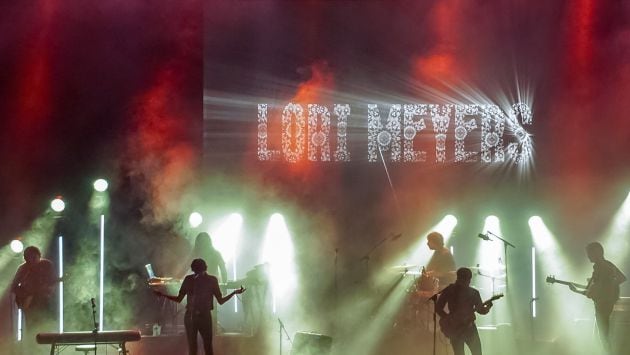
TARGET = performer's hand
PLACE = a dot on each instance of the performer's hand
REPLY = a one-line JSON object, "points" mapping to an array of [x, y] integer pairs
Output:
{"points": [[240, 290]]}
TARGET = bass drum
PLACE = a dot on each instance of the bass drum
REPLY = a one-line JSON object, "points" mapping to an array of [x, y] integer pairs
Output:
{"points": [[427, 283]]}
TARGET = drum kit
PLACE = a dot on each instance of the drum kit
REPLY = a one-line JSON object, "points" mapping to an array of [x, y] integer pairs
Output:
{"points": [[417, 311]]}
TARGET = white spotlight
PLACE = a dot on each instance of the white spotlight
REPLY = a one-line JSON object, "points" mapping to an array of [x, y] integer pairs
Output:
{"points": [[17, 246], [195, 219], [101, 185], [279, 254], [57, 204]]}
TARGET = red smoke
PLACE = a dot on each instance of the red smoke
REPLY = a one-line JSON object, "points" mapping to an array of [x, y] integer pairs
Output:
{"points": [[440, 64]]}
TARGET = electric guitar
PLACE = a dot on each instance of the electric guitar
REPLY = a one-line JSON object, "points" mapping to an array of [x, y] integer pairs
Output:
{"points": [[23, 298], [453, 326], [552, 280]]}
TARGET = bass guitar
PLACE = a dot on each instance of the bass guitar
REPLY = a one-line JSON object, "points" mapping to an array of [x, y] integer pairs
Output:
{"points": [[552, 280], [453, 326], [587, 288]]}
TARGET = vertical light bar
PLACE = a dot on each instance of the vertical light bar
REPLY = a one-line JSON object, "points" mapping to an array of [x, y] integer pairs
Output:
{"points": [[19, 325], [102, 273], [533, 282], [234, 278], [60, 284], [452, 251]]}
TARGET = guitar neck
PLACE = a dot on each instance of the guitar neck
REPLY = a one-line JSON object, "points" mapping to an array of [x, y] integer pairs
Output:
{"points": [[568, 283]]}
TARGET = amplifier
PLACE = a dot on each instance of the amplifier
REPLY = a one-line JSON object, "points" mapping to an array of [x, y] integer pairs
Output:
{"points": [[306, 343]]}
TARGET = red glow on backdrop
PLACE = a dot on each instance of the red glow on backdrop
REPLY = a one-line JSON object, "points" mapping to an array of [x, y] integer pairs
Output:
{"points": [[440, 65], [159, 147], [33, 77]]}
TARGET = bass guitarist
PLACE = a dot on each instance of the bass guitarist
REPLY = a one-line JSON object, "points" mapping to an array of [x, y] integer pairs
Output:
{"points": [[602, 288], [463, 301]]}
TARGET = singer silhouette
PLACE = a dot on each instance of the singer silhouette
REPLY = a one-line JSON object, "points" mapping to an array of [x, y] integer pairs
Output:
{"points": [[200, 288]]}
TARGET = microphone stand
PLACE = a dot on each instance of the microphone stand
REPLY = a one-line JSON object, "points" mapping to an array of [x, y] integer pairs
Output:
{"points": [[492, 278], [280, 330], [95, 330], [434, 299], [366, 257], [505, 251]]}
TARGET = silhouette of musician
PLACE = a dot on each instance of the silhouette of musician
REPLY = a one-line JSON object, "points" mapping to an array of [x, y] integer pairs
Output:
{"points": [[33, 287], [602, 288], [463, 301], [200, 289], [442, 264], [204, 249]]}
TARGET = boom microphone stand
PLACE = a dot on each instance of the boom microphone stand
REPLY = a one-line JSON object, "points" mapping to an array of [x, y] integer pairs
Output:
{"points": [[434, 299], [366, 257], [505, 251]]}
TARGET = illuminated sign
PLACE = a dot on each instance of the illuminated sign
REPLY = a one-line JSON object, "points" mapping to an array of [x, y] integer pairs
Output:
{"points": [[306, 133]]}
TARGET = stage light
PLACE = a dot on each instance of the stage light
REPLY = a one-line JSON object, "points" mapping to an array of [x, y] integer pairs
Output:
{"points": [[101, 185], [615, 240], [534, 297], [278, 253], [540, 233], [491, 256], [101, 274], [60, 249], [225, 236], [57, 204], [17, 246], [195, 219], [446, 226], [225, 239]]}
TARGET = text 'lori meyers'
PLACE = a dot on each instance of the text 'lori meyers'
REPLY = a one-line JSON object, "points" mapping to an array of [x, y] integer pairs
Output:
{"points": [[310, 132]]}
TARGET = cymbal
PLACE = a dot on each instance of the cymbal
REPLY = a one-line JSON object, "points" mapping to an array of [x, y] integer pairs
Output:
{"points": [[403, 267], [411, 272]]}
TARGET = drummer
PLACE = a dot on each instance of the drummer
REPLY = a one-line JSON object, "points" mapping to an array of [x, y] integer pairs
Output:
{"points": [[442, 264]]}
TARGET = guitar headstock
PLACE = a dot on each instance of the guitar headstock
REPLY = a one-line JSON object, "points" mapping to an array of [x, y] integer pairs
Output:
{"points": [[551, 279], [496, 297]]}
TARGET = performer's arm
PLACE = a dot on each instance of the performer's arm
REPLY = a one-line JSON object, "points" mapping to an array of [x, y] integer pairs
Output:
{"points": [[480, 307], [221, 299], [180, 296], [619, 276], [441, 302], [582, 290]]}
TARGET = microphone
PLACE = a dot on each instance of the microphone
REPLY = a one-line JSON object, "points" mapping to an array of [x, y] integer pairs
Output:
{"points": [[483, 236], [93, 304]]}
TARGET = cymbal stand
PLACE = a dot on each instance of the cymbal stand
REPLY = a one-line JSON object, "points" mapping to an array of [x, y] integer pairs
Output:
{"points": [[280, 330]]}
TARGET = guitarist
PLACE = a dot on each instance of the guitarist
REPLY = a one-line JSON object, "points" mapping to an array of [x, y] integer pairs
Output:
{"points": [[33, 286], [463, 301], [602, 288]]}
